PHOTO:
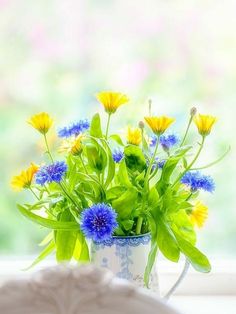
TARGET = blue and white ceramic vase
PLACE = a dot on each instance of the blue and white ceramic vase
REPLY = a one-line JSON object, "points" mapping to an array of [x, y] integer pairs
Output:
{"points": [[126, 257]]}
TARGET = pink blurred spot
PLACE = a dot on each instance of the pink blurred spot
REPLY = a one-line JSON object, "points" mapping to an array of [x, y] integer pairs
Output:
{"points": [[4, 3], [133, 74], [42, 43]]}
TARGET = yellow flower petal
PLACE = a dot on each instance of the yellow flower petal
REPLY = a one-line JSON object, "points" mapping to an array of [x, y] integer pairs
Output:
{"points": [[24, 179], [204, 123], [159, 124], [111, 100], [73, 146], [134, 136], [199, 214], [41, 122]]}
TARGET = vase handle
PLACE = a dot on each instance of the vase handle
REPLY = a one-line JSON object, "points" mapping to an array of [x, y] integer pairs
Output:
{"points": [[179, 280]]}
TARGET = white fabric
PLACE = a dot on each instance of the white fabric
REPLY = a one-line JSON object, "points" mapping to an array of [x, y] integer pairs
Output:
{"points": [[87, 290]]}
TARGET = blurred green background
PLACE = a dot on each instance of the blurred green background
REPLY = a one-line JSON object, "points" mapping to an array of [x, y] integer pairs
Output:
{"points": [[55, 55]]}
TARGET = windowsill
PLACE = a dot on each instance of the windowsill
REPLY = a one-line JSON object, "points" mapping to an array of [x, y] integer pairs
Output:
{"points": [[220, 282], [204, 304]]}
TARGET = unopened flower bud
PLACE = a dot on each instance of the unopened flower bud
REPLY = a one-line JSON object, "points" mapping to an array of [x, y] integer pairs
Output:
{"points": [[193, 111], [141, 124]]}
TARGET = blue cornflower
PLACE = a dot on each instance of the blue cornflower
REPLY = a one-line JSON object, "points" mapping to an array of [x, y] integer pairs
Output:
{"points": [[153, 141], [51, 173], [197, 181], [158, 163], [167, 141], [98, 222], [161, 163], [117, 155], [74, 128]]}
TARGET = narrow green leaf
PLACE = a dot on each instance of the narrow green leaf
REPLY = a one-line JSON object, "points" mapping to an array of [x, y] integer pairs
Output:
{"points": [[111, 167], [150, 263], [47, 239], [215, 161], [45, 252], [47, 223]]}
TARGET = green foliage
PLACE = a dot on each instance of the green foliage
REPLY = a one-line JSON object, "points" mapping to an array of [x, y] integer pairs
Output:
{"points": [[65, 239], [95, 127]]}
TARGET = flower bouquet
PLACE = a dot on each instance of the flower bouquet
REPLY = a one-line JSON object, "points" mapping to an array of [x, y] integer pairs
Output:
{"points": [[113, 192]]}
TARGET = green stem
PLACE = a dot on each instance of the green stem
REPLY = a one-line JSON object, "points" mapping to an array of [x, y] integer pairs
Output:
{"points": [[47, 146], [34, 193], [139, 225], [192, 162], [189, 197], [68, 195], [108, 124], [186, 132], [151, 164], [146, 184], [85, 169], [214, 162]]}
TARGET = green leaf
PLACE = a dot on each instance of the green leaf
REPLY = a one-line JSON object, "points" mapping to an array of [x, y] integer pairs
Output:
{"points": [[95, 127], [84, 256], [134, 158], [167, 242], [47, 239], [145, 145], [117, 139], [127, 224], [78, 246], [140, 177], [65, 240], [115, 192], [182, 225], [122, 175], [45, 252], [96, 155], [153, 199], [111, 166], [198, 260], [150, 263], [125, 204], [47, 223]]}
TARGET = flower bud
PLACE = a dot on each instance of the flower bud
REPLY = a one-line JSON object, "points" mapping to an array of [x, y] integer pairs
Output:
{"points": [[193, 111], [141, 124]]}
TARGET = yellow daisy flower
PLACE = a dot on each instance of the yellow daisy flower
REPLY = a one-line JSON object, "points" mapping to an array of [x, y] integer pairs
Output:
{"points": [[134, 136], [73, 146], [111, 100], [159, 124], [24, 179], [199, 214], [204, 123], [41, 122]]}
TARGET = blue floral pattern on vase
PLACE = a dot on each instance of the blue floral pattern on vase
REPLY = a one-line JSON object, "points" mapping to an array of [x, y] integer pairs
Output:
{"points": [[126, 257]]}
